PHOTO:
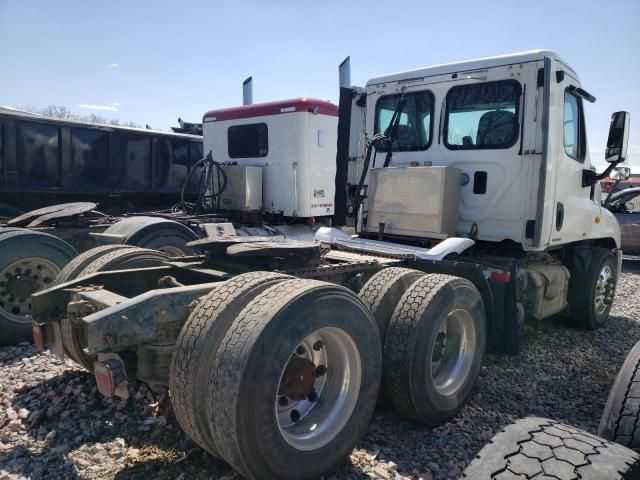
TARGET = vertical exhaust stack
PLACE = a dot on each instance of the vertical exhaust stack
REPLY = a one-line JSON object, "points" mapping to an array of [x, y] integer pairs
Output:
{"points": [[247, 91], [345, 73], [341, 199]]}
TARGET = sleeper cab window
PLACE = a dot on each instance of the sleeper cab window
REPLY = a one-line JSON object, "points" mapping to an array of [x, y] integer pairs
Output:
{"points": [[415, 127], [483, 116], [573, 127], [248, 141]]}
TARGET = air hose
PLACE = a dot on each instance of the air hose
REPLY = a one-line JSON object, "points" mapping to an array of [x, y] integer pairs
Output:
{"points": [[210, 169]]}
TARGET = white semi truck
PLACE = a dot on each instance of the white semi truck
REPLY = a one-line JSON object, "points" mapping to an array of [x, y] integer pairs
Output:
{"points": [[475, 207]]}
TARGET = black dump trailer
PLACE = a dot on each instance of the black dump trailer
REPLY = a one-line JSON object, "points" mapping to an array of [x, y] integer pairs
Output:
{"points": [[45, 161]]}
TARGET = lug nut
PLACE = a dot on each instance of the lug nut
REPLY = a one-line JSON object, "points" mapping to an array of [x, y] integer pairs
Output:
{"points": [[300, 350], [317, 346], [283, 401], [295, 416], [320, 370]]}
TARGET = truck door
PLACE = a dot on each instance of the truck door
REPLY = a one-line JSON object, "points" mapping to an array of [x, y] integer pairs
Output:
{"points": [[569, 209]]}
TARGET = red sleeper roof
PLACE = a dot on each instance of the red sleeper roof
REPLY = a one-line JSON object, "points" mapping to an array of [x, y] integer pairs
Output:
{"points": [[272, 108]]}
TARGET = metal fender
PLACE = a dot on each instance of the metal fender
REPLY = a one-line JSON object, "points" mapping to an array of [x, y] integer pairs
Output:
{"points": [[608, 227], [334, 236], [449, 246], [330, 235]]}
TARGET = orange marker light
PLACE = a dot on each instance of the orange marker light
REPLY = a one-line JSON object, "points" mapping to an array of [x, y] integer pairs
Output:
{"points": [[597, 220]]}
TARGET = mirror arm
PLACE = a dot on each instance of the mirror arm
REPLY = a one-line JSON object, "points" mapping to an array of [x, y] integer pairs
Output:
{"points": [[589, 177], [613, 189]]}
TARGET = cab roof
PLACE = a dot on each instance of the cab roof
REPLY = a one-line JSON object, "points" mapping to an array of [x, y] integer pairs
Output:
{"points": [[294, 105], [470, 65]]}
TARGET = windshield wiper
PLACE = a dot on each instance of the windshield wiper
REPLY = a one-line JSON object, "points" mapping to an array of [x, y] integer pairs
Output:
{"points": [[392, 129], [372, 147]]}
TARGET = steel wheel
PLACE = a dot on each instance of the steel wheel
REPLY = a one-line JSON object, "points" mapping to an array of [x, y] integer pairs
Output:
{"points": [[453, 352], [19, 280], [318, 389], [602, 297]]}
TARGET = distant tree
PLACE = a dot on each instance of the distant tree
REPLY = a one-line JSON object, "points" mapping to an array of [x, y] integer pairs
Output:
{"points": [[63, 113]]}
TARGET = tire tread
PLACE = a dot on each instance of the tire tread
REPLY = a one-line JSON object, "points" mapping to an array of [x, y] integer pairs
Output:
{"points": [[194, 345], [534, 447], [620, 420], [401, 340]]}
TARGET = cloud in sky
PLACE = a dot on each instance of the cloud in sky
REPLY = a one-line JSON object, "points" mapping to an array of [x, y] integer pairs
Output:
{"points": [[111, 107], [112, 65]]}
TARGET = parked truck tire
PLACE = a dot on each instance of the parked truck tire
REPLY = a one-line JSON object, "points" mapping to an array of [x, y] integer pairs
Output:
{"points": [[295, 381], [29, 262], [73, 269], [197, 346], [103, 258], [620, 420], [381, 294], [434, 347], [592, 286], [534, 448], [155, 233]]}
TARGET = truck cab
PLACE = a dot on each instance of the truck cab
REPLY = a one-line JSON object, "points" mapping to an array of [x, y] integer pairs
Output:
{"points": [[493, 150], [513, 126]]}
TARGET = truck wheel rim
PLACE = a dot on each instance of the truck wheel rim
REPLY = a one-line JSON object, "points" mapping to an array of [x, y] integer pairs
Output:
{"points": [[603, 286], [19, 280], [453, 352], [318, 389]]}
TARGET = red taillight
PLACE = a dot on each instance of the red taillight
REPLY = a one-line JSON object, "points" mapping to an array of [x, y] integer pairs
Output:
{"points": [[110, 374], [104, 379], [38, 339], [503, 277]]}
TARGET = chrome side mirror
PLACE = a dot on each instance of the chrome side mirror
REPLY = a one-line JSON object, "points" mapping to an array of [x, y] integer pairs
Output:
{"points": [[620, 173], [618, 139]]}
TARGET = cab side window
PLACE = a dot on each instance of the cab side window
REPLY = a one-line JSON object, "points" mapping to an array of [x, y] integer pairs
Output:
{"points": [[573, 127], [414, 126]]}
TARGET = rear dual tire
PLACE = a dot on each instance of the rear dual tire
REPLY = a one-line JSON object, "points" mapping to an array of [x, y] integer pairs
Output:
{"points": [[434, 347], [267, 355], [421, 315], [381, 294], [197, 346]]}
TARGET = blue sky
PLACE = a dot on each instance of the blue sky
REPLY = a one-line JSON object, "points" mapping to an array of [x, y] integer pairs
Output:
{"points": [[150, 62]]}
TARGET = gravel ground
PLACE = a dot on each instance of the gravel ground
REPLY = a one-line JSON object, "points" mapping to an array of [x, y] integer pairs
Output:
{"points": [[54, 424]]}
